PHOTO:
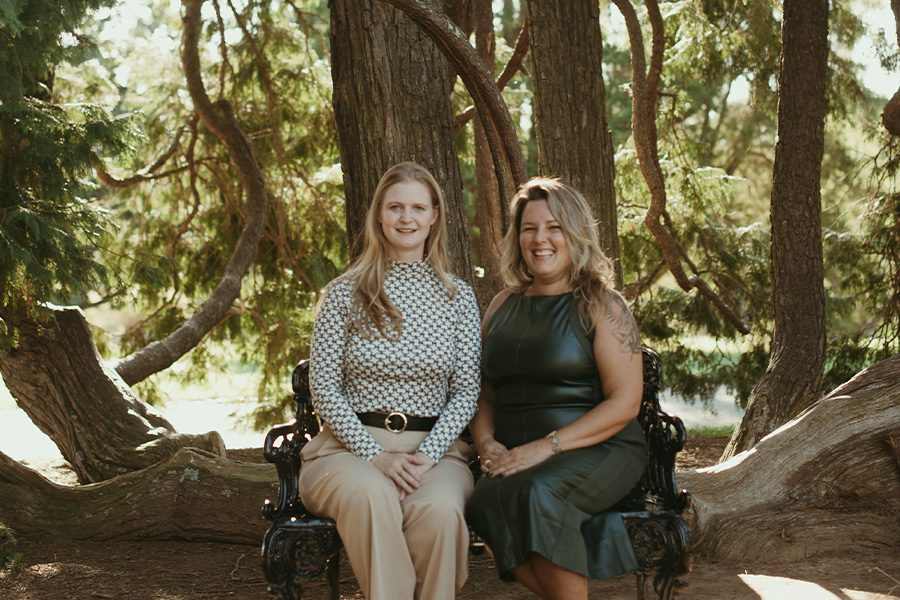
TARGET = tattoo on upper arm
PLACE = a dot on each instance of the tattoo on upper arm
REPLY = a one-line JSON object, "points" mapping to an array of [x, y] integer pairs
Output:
{"points": [[624, 327]]}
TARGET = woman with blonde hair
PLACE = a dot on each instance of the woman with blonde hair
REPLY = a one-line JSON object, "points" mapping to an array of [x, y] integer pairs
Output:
{"points": [[394, 376], [556, 426]]}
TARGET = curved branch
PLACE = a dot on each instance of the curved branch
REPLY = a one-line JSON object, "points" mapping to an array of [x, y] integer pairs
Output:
{"points": [[141, 177], [513, 65], [657, 49], [146, 174], [643, 124], [219, 118], [633, 290], [492, 111]]}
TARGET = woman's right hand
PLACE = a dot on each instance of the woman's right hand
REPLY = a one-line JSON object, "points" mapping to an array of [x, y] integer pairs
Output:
{"points": [[489, 453], [402, 469]]}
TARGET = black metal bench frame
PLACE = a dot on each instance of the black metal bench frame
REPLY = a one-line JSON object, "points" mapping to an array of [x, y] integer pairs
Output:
{"points": [[300, 545]]}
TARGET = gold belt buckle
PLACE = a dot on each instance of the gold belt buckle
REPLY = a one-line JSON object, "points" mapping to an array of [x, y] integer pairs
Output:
{"points": [[389, 427]]}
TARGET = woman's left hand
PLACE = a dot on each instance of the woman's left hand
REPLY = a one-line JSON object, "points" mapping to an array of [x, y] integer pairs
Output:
{"points": [[521, 458]]}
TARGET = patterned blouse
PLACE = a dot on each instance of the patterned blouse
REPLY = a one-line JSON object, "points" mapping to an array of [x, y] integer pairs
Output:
{"points": [[431, 371]]}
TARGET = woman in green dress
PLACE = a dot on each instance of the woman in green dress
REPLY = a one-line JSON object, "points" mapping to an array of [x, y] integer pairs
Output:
{"points": [[556, 426]]}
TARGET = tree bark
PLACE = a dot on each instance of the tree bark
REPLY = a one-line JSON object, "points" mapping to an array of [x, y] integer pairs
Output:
{"points": [[57, 377], [192, 495], [573, 136], [392, 103], [492, 110], [890, 117], [824, 478], [219, 118], [490, 208], [793, 379]]}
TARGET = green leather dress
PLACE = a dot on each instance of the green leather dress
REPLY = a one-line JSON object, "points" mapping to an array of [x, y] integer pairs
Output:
{"points": [[540, 361]]}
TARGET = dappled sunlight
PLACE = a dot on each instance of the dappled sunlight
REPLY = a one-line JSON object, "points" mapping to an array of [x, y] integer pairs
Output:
{"points": [[730, 463], [793, 422], [44, 570], [768, 587]]}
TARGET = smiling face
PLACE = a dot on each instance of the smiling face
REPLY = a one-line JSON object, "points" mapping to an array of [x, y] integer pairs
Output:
{"points": [[406, 216], [544, 248]]}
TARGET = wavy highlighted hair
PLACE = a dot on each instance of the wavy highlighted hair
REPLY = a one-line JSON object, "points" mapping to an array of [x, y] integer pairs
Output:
{"points": [[371, 306], [591, 273]]}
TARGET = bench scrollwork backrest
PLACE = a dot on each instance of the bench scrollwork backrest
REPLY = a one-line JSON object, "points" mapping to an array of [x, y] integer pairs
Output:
{"points": [[284, 443]]}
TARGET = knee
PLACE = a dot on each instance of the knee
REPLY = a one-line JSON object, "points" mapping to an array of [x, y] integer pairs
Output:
{"points": [[357, 491], [373, 493], [436, 511], [498, 497]]}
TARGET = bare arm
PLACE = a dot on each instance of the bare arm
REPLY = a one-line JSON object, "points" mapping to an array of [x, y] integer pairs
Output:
{"points": [[617, 351]]}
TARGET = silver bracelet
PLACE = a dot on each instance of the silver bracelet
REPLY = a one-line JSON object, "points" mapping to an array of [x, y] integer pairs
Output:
{"points": [[553, 436]]}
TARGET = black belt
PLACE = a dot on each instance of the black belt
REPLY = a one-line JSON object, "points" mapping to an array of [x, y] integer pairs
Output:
{"points": [[397, 422]]}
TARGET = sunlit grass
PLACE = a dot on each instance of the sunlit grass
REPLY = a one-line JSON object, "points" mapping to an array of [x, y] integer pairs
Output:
{"points": [[711, 431]]}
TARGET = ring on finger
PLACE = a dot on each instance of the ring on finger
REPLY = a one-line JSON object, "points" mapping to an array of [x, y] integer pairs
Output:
{"points": [[488, 463]]}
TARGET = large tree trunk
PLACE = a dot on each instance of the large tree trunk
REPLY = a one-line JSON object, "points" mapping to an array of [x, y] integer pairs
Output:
{"points": [[492, 110], [573, 136], [192, 496], [392, 103], [890, 118], [826, 477], [57, 377], [490, 207], [793, 379]]}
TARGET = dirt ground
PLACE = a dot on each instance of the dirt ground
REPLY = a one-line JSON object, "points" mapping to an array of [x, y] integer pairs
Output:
{"points": [[188, 571]]}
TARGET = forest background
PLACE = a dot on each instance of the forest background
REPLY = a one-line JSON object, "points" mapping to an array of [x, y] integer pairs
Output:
{"points": [[167, 234], [205, 171]]}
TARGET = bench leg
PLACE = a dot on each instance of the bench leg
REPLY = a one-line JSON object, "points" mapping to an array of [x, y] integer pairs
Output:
{"points": [[641, 581], [332, 572], [666, 588]]}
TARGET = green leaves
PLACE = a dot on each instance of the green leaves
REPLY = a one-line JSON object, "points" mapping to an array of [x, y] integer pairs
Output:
{"points": [[9, 16], [50, 223]]}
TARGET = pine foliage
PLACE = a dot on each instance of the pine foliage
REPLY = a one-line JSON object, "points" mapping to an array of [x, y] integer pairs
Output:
{"points": [[50, 225]]}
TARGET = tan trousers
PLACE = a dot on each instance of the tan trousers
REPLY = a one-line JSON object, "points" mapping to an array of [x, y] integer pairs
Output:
{"points": [[414, 549]]}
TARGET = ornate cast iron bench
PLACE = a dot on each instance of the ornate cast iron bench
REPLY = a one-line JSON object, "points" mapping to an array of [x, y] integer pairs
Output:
{"points": [[300, 545]]}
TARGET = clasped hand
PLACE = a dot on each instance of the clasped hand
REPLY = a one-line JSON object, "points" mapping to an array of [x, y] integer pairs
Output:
{"points": [[497, 461], [404, 470]]}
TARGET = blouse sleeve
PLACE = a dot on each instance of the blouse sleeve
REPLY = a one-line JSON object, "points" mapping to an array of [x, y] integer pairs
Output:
{"points": [[326, 375], [465, 380]]}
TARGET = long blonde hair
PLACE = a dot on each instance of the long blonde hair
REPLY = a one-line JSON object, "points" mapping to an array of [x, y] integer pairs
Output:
{"points": [[371, 306], [591, 273]]}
